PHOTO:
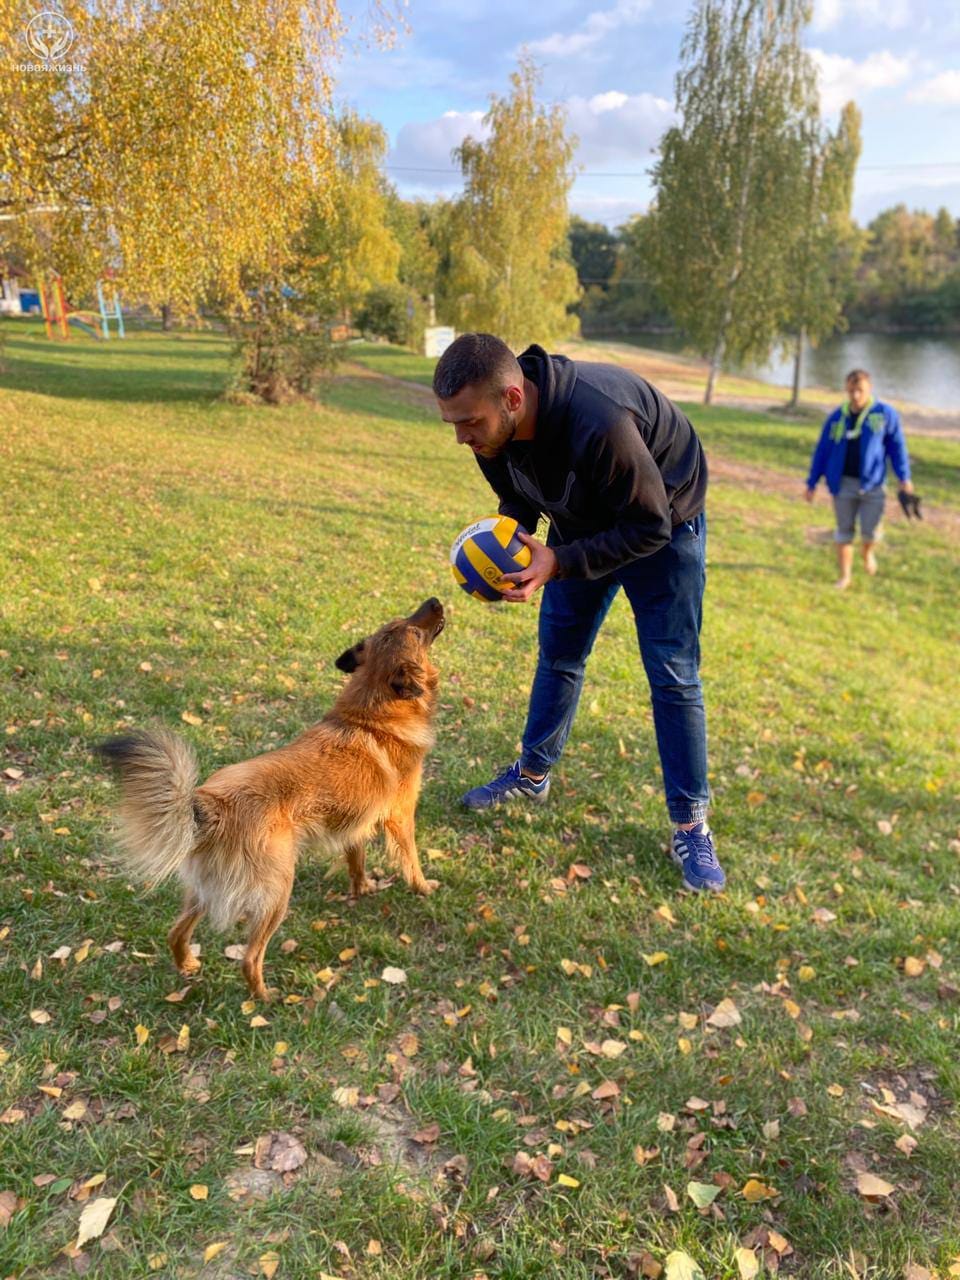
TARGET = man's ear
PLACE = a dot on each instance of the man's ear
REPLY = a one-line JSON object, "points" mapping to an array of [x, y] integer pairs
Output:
{"points": [[405, 681], [350, 659]]}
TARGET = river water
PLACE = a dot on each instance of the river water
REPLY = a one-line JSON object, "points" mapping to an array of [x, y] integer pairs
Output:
{"points": [[918, 367]]}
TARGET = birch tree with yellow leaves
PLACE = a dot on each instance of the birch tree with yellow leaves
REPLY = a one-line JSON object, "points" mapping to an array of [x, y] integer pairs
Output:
{"points": [[188, 147], [511, 272]]}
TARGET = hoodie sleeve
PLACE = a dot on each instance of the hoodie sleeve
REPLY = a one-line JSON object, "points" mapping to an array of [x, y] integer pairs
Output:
{"points": [[818, 463], [896, 446], [511, 503], [622, 469]]}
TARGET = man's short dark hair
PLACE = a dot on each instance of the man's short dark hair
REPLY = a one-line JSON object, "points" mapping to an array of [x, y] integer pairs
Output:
{"points": [[857, 375], [475, 359]]}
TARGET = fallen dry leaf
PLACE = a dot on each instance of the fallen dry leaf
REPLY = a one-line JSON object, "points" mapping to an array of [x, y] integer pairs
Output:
{"points": [[608, 1089], [726, 1014], [281, 1152], [39, 1016], [872, 1187], [657, 957], [612, 1048], [199, 1191], [8, 1207], [680, 1266], [214, 1250], [393, 975], [753, 1191], [913, 966], [747, 1264], [269, 1262], [94, 1219], [430, 1133], [702, 1194]]}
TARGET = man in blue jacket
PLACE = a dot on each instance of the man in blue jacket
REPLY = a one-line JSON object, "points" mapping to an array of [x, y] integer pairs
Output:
{"points": [[620, 474], [856, 441]]}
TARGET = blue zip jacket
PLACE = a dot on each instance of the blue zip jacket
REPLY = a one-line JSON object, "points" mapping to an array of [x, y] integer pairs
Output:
{"points": [[881, 437]]}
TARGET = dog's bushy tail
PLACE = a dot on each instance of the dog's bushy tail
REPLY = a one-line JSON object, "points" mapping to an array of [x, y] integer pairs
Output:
{"points": [[158, 821]]}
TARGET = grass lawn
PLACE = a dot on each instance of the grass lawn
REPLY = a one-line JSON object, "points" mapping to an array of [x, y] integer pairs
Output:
{"points": [[580, 1053]]}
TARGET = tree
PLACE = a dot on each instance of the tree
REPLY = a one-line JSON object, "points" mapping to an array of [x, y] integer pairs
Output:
{"points": [[825, 252], [510, 267], [720, 216], [184, 147], [344, 250], [634, 299], [593, 248]]}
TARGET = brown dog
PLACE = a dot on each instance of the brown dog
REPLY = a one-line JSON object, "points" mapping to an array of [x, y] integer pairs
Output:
{"points": [[234, 841]]}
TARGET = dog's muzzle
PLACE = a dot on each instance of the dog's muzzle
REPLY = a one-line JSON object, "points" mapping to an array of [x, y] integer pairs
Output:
{"points": [[429, 617]]}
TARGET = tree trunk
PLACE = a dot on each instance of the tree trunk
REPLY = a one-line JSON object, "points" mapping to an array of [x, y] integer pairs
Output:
{"points": [[797, 370], [166, 317], [716, 360]]}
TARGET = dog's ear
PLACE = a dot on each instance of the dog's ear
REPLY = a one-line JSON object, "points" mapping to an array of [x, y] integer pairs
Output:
{"points": [[350, 659], [405, 681]]}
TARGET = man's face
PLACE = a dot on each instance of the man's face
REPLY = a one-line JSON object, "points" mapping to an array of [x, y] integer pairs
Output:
{"points": [[858, 394], [485, 420]]}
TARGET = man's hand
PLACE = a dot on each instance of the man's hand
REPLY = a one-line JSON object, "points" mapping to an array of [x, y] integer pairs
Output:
{"points": [[542, 567], [808, 494], [906, 486]]}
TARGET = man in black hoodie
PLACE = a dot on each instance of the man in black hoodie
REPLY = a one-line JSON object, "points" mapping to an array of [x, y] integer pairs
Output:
{"points": [[620, 474]]}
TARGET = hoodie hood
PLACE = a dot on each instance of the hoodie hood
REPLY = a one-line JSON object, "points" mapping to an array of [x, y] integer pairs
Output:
{"points": [[555, 378]]}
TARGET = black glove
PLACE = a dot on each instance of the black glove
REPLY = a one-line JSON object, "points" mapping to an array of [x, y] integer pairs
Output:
{"points": [[911, 504]]}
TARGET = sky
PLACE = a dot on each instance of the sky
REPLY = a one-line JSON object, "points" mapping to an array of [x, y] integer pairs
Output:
{"points": [[613, 67]]}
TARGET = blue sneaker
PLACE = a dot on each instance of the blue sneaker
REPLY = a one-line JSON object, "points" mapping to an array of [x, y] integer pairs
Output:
{"points": [[694, 854], [509, 785]]}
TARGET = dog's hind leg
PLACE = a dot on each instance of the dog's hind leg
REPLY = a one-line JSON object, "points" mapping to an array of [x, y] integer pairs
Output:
{"points": [[360, 883], [182, 931], [266, 918]]}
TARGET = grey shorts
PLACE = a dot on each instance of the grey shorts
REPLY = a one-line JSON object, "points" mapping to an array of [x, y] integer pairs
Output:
{"points": [[850, 503]]}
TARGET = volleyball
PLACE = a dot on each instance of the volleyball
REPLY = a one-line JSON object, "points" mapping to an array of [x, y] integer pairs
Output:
{"points": [[484, 552]]}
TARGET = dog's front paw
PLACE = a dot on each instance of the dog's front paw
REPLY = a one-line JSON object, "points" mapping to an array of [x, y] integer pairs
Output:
{"points": [[366, 885], [189, 966], [425, 887]]}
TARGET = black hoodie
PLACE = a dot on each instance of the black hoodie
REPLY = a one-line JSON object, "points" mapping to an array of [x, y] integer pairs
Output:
{"points": [[614, 465]]}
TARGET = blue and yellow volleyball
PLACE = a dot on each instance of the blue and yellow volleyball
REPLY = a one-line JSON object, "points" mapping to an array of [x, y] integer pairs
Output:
{"points": [[484, 552]]}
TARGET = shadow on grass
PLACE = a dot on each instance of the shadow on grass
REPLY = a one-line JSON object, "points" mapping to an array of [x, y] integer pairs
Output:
{"points": [[96, 380]]}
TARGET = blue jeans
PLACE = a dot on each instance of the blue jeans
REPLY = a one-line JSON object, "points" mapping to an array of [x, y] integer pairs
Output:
{"points": [[665, 591]]}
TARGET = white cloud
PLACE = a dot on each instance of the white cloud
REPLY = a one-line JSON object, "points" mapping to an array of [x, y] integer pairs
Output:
{"points": [[595, 26], [942, 90], [617, 127], [614, 211], [842, 78], [425, 145], [892, 14], [612, 128]]}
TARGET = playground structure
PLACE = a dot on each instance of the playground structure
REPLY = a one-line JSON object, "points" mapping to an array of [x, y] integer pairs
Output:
{"points": [[57, 315]]}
